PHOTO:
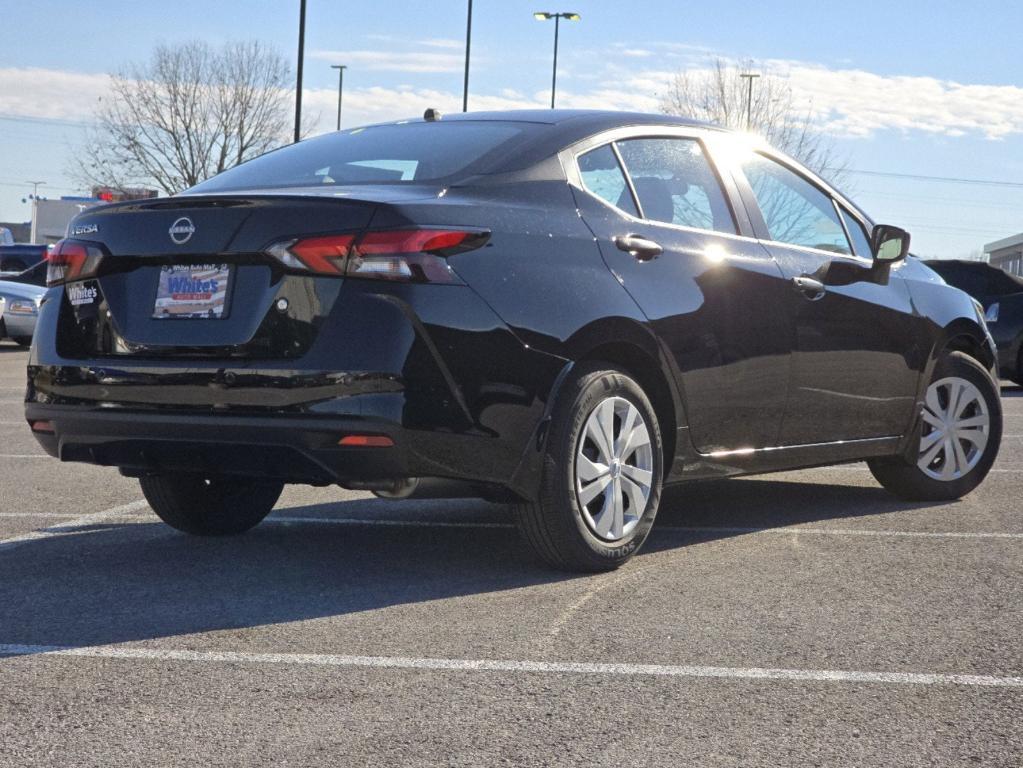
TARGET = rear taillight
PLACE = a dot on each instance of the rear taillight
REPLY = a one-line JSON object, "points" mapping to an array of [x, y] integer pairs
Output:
{"points": [[72, 260], [407, 255]]}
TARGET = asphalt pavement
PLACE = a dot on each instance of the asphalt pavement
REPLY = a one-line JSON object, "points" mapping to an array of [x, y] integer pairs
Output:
{"points": [[796, 619]]}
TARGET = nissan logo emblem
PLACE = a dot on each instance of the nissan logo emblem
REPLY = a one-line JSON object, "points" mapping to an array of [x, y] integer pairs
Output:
{"points": [[181, 231]]}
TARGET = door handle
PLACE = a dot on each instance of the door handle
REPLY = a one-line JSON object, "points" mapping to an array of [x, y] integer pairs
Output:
{"points": [[810, 288], [638, 247]]}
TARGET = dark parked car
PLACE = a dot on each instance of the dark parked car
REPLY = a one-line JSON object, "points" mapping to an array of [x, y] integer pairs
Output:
{"points": [[1001, 294], [564, 310], [18, 258]]}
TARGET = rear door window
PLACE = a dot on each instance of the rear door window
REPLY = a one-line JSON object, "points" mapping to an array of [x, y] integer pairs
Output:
{"points": [[602, 175], [675, 183]]}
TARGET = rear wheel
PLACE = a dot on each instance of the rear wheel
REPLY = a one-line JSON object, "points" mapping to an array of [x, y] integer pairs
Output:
{"points": [[602, 473], [210, 505], [961, 432]]}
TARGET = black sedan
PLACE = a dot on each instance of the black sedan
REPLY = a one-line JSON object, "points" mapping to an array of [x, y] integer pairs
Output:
{"points": [[1001, 294], [565, 311]]}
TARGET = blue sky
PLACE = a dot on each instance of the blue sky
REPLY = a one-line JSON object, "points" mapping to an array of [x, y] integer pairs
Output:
{"points": [[932, 89]]}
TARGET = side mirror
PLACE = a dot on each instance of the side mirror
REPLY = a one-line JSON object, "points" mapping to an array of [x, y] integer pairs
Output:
{"points": [[889, 244]]}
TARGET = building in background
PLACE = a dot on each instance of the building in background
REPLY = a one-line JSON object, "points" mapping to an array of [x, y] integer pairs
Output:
{"points": [[51, 217], [1007, 254]]}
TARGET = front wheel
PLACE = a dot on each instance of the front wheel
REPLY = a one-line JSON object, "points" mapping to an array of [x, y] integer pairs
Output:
{"points": [[959, 439], [210, 505], [602, 473]]}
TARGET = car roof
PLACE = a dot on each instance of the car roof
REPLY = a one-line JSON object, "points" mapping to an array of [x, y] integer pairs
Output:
{"points": [[598, 119], [555, 129]]}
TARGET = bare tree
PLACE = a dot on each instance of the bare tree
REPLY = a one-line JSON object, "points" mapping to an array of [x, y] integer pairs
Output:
{"points": [[719, 95], [188, 113]]}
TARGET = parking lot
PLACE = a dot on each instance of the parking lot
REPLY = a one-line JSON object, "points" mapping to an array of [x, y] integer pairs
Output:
{"points": [[805, 618]]}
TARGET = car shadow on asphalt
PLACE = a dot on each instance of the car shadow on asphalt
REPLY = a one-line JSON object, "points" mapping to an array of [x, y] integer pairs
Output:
{"points": [[121, 582], [1012, 390]]}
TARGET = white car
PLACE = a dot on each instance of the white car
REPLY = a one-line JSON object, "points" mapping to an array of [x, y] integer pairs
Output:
{"points": [[22, 301]]}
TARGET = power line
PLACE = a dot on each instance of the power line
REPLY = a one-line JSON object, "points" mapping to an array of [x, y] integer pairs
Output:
{"points": [[45, 120], [939, 179]]}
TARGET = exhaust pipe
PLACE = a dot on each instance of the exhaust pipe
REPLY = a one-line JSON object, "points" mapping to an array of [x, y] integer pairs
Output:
{"points": [[398, 489]]}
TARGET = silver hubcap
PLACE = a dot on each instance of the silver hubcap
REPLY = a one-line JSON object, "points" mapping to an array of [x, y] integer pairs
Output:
{"points": [[614, 468], [956, 429]]}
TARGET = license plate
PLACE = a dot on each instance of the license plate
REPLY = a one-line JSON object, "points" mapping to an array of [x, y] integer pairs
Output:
{"points": [[192, 292]]}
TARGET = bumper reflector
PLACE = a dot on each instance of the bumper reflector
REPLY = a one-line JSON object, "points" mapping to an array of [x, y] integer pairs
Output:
{"points": [[366, 441], [41, 426]]}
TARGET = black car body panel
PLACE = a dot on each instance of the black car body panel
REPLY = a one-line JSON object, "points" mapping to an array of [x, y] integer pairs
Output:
{"points": [[21, 256], [745, 373], [990, 285]]}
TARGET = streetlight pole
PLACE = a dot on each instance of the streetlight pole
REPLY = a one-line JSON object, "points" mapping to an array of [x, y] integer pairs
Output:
{"points": [[468, 42], [35, 187], [749, 77], [558, 16], [340, 88], [301, 57]]}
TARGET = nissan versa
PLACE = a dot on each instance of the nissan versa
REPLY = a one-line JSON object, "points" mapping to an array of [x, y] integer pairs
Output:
{"points": [[563, 310]]}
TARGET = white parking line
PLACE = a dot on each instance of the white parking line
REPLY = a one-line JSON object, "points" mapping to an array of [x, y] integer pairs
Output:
{"points": [[783, 530], [855, 468], [540, 667], [795, 530], [71, 526], [24, 456], [36, 514]]}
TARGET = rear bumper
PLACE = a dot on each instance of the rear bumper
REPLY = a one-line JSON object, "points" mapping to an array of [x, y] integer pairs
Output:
{"points": [[292, 449], [461, 397]]}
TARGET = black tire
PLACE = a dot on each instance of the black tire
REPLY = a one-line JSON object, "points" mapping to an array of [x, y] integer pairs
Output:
{"points": [[554, 525], [23, 341], [214, 505], [908, 481]]}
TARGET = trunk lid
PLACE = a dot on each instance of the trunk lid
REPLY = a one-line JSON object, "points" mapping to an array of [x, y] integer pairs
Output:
{"points": [[266, 312]]}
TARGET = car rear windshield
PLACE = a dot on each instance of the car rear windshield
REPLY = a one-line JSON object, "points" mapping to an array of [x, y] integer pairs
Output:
{"points": [[380, 154]]}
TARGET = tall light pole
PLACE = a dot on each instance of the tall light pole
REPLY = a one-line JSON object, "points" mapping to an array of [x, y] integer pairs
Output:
{"points": [[749, 77], [558, 16], [301, 57], [468, 41], [340, 88], [35, 187]]}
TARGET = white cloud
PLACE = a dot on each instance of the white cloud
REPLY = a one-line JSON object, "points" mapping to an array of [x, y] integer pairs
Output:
{"points": [[376, 105], [860, 103], [851, 102], [50, 93], [854, 102], [438, 42], [396, 61]]}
